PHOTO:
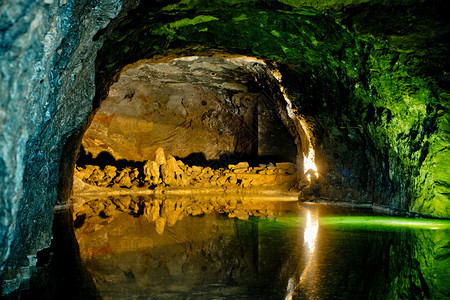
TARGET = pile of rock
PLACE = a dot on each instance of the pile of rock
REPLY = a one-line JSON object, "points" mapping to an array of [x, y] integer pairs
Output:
{"points": [[167, 171], [109, 176]]}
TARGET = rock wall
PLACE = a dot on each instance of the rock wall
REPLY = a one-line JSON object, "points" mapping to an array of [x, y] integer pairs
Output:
{"points": [[186, 106], [47, 57], [378, 111]]}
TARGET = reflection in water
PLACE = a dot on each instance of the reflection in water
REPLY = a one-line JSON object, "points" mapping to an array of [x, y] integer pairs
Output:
{"points": [[311, 229], [309, 242], [286, 256]]}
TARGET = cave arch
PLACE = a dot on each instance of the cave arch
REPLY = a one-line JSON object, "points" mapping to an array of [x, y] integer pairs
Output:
{"points": [[381, 124], [220, 107], [312, 74], [324, 69], [248, 106]]}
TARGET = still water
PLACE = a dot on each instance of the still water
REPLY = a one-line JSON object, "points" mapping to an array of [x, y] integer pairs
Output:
{"points": [[282, 250]]}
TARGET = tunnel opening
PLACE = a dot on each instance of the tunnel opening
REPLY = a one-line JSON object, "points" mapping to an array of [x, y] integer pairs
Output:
{"points": [[194, 121]]}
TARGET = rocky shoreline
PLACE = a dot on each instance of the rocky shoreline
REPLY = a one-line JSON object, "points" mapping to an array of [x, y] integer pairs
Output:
{"points": [[169, 173]]}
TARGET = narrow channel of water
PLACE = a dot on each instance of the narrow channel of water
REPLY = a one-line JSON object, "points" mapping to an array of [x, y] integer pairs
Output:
{"points": [[294, 252]]}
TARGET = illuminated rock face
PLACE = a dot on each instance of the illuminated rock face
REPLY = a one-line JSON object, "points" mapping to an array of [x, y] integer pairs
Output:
{"points": [[207, 105], [379, 109], [172, 173]]}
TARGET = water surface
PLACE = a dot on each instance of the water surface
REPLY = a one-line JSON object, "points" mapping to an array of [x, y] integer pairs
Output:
{"points": [[289, 251]]}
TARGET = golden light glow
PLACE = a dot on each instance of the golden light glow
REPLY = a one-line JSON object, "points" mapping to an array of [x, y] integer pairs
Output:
{"points": [[309, 242], [308, 160], [290, 289], [311, 229]]}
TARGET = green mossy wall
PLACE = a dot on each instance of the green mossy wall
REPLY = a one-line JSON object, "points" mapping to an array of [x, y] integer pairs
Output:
{"points": [[381, 121]]}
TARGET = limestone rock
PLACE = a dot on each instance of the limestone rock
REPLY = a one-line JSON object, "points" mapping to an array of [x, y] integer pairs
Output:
{"points": [[240, 214], [160, 158], [171, 173], [134, 177], [151, 172], [284, 165], [221, 180], [180, 176], [239, 171], [86, 172], [241, 165], [123, 179], [110, 173]]}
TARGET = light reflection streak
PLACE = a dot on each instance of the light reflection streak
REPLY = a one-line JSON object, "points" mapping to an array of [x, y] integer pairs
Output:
{"points": [[311, 229], [308, 160], [309, 243]]}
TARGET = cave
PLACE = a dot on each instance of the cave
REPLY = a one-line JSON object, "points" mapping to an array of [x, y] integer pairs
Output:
{"points": [[280, 140], [205, 110]]}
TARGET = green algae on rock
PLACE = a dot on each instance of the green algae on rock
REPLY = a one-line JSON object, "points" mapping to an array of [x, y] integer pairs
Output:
{"points": [[354, 87]]}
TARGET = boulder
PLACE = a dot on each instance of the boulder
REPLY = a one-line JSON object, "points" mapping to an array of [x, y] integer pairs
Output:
{"points": [[151, 172], [168, 176], [241, 165], [173, 175], [123, 179], [110, 172], [160, 158], [86, 172], [284, 165]]}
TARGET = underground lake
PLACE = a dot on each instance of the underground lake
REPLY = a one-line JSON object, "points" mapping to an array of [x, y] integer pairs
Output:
{"points": [[242, 247]]}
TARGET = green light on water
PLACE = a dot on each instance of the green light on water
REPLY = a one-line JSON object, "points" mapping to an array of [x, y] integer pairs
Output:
{"points": [[382, 223]]}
